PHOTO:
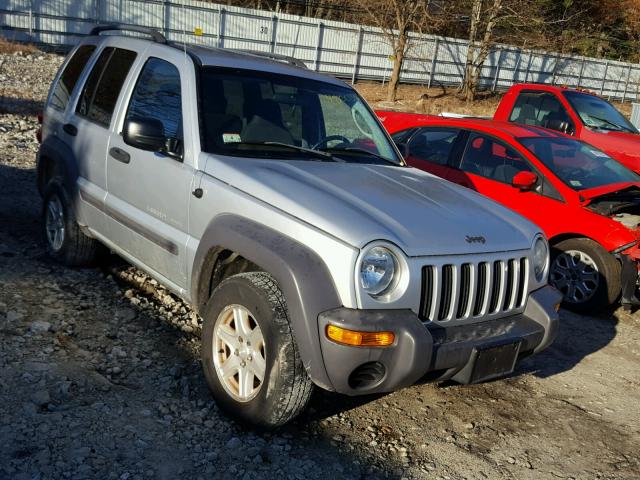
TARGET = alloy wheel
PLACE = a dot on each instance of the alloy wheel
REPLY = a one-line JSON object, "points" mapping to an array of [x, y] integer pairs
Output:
{"points": [[576, 275]]}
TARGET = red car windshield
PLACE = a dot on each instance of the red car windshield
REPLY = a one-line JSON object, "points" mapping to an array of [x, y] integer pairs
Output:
{"points": [[578, 164]]}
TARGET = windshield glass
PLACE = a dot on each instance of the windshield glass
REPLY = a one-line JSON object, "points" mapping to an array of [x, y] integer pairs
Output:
{"points": [[577, 164], [248, 113], [598, 113]]}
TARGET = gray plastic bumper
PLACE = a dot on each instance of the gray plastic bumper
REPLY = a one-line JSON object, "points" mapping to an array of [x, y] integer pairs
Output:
{"points": [[428, 351]]}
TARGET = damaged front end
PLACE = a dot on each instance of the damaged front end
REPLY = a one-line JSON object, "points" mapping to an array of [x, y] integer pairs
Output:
{"points": [[623, 206]]}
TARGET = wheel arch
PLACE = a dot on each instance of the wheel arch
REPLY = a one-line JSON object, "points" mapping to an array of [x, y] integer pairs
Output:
{"points": [[55, 157], [301, 274]]}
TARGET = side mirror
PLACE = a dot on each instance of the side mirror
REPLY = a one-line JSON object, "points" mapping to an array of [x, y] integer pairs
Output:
{"points": [[144, 133], [524, 181]]}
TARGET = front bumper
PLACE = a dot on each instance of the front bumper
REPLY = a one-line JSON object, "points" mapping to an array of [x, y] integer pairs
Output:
{"points": [[432, 352]]}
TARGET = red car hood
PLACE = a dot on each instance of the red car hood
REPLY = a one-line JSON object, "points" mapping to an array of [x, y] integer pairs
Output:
{"points": [[591, 193], [624, 147]]}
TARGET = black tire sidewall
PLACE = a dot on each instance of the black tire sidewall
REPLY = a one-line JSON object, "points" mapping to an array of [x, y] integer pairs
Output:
{"points": [[263, 409], [608, 269]]}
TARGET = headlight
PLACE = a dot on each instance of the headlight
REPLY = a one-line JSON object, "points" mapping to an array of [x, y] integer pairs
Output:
{"points": [[540, 258], [377, 270]]}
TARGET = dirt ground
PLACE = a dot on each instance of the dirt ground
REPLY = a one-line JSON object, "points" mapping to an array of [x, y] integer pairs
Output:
{"points": [[100, 377]]}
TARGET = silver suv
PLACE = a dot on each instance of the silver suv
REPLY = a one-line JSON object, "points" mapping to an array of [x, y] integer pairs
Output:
{"points": [[270, 198]]}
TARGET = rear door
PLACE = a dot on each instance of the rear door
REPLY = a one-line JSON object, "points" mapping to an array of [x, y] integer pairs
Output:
{"points": [[87, 130], [432, 149], [148, 192]]}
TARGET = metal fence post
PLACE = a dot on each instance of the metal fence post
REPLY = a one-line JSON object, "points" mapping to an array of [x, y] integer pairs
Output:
{"points": [[165, 18], [526, 75], [554, 72], [497, 75], [30, 23], [356, 61], [516, 68], [434, 61], [221, 28], [274, 33], [318, 47], [581, 73], [604, 77], [626, 84]]}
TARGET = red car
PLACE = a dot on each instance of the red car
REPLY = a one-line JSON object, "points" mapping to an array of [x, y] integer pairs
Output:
{"points": [[579, 113], [587, 203]]}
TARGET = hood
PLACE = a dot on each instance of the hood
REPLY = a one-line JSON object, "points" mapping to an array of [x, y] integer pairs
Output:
{"points": [[591, 193], [420, 213], [623, 146]]}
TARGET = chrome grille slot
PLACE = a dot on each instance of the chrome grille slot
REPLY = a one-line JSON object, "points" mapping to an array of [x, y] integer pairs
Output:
{"points": [[460, 291]]}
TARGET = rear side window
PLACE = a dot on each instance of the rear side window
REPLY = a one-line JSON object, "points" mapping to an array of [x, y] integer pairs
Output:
{"points": [[100, 94], [157, 95], [70, 76], [433, 145]]}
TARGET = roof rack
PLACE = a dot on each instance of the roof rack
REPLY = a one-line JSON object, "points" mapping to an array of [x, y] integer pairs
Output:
{"points": [[272, 56], [154, 34]]}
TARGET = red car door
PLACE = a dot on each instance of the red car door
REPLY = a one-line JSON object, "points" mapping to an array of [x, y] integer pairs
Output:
{"points": [[488, 166], [430, 149]]}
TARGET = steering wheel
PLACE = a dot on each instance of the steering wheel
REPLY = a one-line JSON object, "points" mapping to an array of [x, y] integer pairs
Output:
{"points": [[330, 138]]}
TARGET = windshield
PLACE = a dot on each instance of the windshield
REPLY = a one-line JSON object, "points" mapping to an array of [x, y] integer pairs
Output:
{"points": [[248, 113], [577, 164], [598, 113]]}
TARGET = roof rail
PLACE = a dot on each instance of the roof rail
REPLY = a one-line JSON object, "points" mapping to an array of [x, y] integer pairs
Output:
{"points": [[272, 56], [154, 34]]}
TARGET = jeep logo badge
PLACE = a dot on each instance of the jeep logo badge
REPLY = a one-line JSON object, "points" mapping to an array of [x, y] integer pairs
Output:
{"points": [[475, 239]]}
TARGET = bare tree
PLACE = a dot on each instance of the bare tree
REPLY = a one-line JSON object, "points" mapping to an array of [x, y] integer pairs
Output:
{"points": [[397, 19]]}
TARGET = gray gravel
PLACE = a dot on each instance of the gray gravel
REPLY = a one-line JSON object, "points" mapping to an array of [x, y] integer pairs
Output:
{"points": [[100, 378]]}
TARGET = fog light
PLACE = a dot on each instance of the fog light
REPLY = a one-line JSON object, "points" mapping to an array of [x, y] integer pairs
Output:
{"points": [[359, 339]]}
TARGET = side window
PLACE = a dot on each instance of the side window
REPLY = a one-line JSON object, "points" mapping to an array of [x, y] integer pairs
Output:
{"points": [[433, 145], [490, 158], [157, 95], [539, 109], [100, 93], [69, 78]]}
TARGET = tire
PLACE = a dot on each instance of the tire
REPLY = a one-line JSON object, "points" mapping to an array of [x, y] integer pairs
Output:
{"points": [[73, 248], [285, 388], [599, 270]]}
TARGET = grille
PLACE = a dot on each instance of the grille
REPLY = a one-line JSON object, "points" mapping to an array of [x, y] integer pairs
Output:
{"points": [[459, 291]]}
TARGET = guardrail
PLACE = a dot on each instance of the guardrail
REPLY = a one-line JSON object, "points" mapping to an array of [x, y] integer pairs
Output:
{"points": [[345, 50]]}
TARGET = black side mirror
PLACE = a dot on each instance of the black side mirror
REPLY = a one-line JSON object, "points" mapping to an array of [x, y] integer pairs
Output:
{"points": [[144, 133]]}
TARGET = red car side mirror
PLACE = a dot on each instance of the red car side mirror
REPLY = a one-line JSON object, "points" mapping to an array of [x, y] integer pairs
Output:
{"points": [[524, 181]]}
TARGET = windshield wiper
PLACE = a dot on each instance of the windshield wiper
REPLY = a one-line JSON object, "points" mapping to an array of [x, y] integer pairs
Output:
{"points": [[311, 151], [358, 151], [609, 122]]}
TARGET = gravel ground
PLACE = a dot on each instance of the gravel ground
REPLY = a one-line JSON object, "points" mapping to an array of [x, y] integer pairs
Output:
{"points": [[99, 377]]}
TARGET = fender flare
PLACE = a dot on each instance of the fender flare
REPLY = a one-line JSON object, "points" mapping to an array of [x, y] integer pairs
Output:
{"points": [[55, 150], [302, 275]]}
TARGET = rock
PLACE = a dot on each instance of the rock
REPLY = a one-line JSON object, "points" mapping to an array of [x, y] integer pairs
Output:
{"points": [[40, 326], [41, 398]]}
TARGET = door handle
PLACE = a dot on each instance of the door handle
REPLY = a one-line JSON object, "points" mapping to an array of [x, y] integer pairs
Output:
{"points": [[120, 155], [70, 129]]}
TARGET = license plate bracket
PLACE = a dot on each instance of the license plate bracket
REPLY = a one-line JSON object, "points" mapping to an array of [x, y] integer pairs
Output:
{"points": [[494, 361]]}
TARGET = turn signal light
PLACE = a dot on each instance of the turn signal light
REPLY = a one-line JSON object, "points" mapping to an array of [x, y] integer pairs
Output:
{"points": [[359, 339]]}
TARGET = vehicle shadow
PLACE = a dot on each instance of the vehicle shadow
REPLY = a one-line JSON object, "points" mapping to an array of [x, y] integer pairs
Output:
{"points": [[579, 336], [19, 106]]}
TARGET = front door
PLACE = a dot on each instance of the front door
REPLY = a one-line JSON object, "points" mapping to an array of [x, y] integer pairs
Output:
{"points": [[148, 192]]}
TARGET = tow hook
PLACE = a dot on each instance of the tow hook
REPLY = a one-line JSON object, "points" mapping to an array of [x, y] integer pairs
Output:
{"points": [[629, 278]]}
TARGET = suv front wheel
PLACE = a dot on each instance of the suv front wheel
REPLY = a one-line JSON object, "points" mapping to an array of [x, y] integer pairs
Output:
{"points": [[249, 355], [65, 242]]}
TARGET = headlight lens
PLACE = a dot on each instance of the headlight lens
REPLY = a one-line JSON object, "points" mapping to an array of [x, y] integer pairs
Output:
{"points": [[540, 258], [377, 270]]}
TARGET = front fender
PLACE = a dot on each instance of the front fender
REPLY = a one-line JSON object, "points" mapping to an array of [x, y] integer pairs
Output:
{"points": [[302, 275]]}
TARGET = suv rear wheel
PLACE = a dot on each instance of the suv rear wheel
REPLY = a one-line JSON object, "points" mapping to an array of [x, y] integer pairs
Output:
{"points": [[250, 358], [65, 242], [586, 274]]}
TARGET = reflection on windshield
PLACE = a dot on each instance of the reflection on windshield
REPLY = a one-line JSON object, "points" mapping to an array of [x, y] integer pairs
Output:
{"points": [[577, 164], [598, 113], [248, 113]]}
